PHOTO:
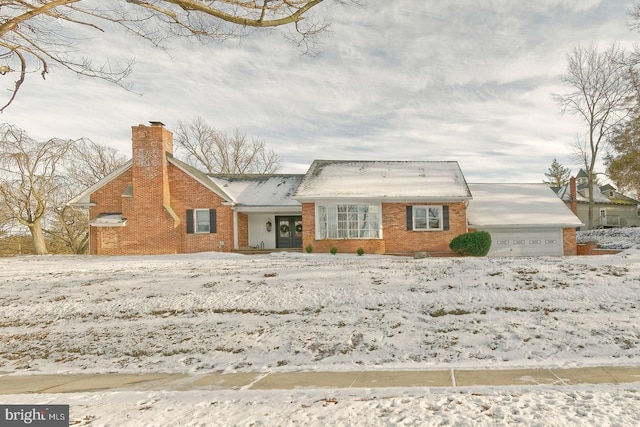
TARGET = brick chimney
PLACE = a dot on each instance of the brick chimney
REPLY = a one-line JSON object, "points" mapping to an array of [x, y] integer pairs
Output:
{"points": [[574, 194], [150, 145]]}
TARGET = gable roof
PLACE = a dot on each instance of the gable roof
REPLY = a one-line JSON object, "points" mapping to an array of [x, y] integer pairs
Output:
{"points": [[564, 193], [82, 199], [259, 190], [389, 180], [525, 205], [582, 174]]}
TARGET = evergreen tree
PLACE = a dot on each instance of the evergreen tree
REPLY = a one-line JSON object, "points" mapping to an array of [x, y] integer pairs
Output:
{"points": [[558, 175]]}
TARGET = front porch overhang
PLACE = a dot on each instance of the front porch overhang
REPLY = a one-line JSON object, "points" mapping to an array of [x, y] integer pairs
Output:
{"points": [[260, 211], [108, 220], [292, 209]]}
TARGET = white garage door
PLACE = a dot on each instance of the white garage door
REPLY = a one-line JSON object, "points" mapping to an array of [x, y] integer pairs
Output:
{"points": [[527, 242]]}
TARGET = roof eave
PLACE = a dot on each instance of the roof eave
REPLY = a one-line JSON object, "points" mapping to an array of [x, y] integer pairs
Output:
{"points": [[269, 209], [384, 198], [506, 226], [83, 199]]}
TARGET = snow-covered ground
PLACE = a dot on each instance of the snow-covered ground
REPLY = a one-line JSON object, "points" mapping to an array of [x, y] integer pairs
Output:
{"points": [[284, 312]]}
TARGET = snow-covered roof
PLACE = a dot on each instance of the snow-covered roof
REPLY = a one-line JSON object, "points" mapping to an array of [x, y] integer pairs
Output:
{"points": [[109, 220], [416, 180], [526, 205], [259, 190], [564, 193]]}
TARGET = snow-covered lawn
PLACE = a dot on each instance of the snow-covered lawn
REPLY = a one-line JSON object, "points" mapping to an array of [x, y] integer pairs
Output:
{"points": [[280, 312]]}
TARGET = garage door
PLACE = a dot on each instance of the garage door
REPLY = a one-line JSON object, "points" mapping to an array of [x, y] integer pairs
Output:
{"points": [[527, 242]]}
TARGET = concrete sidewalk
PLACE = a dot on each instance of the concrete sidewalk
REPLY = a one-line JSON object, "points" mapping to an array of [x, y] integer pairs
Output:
{"points": [[21, 384]]}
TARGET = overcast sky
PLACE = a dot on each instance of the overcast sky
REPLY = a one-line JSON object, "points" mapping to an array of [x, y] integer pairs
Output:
{"points": [[465, 80]]}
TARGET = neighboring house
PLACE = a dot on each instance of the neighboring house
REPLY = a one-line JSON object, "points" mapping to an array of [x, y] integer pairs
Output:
{"points": [[157, 204], [611, 208]]}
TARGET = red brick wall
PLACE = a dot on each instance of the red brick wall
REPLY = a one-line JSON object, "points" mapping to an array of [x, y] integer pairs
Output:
{"points": [[243, 230], [309, 225], [109, 200], [569, 241], [400, 240], [187, 193], [349, 246], [150, 227], [396, 237], [592, 249], [150, 144]]}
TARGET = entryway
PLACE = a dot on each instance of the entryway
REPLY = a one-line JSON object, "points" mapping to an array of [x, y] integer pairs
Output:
{"points": [[288, 232]]}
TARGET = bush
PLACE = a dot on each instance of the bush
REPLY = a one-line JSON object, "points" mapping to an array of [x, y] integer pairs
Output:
{"points": [[360, 251], [333, 250], [476, 243], [309, 249]]}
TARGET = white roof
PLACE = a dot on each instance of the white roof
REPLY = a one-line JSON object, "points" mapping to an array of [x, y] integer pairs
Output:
{"points": [[259, 190], [564, 193], [384, 180], [524, 205], [109, 220]]}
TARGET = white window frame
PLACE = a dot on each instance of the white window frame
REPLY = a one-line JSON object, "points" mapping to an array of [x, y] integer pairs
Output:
{"points": [[422, 218], [196, 224], [348, 220]]}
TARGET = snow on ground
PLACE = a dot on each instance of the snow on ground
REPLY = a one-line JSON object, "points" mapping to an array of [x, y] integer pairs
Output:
{"points": [[285, 312], [613, 238]]}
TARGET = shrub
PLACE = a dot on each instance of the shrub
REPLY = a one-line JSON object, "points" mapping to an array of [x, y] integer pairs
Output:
{"points": [[476, 243], [333, 250], [309, 249], [360, 251]]}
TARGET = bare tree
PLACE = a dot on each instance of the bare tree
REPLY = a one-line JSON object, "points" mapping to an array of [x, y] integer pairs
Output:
{"points": [[601, 96], [85, 163], [218, 152], [67, 226], [37, 33], [28, 173], [88, 162]]}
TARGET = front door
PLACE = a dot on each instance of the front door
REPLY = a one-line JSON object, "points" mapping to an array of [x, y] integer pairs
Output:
{"points": [[288, 232]]}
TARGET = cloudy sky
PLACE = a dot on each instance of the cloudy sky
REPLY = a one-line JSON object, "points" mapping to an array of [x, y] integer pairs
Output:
{"points": [[465, 80]]}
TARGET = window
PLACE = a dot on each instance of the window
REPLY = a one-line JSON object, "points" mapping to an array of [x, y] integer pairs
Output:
{"points": [[348, 222], [201, 221], [427, 218]]}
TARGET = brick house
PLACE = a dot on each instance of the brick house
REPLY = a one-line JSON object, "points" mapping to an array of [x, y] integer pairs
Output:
{"points": [[156, 204], [383, 206]]}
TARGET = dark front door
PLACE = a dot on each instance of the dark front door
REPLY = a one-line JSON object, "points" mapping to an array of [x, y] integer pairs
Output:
{"points": [[289, 232]]}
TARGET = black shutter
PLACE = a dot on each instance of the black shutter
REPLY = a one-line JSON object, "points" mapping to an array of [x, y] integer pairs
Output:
{"points": [[212, 221], [409, 218], [189, 221], [445, 217]]}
